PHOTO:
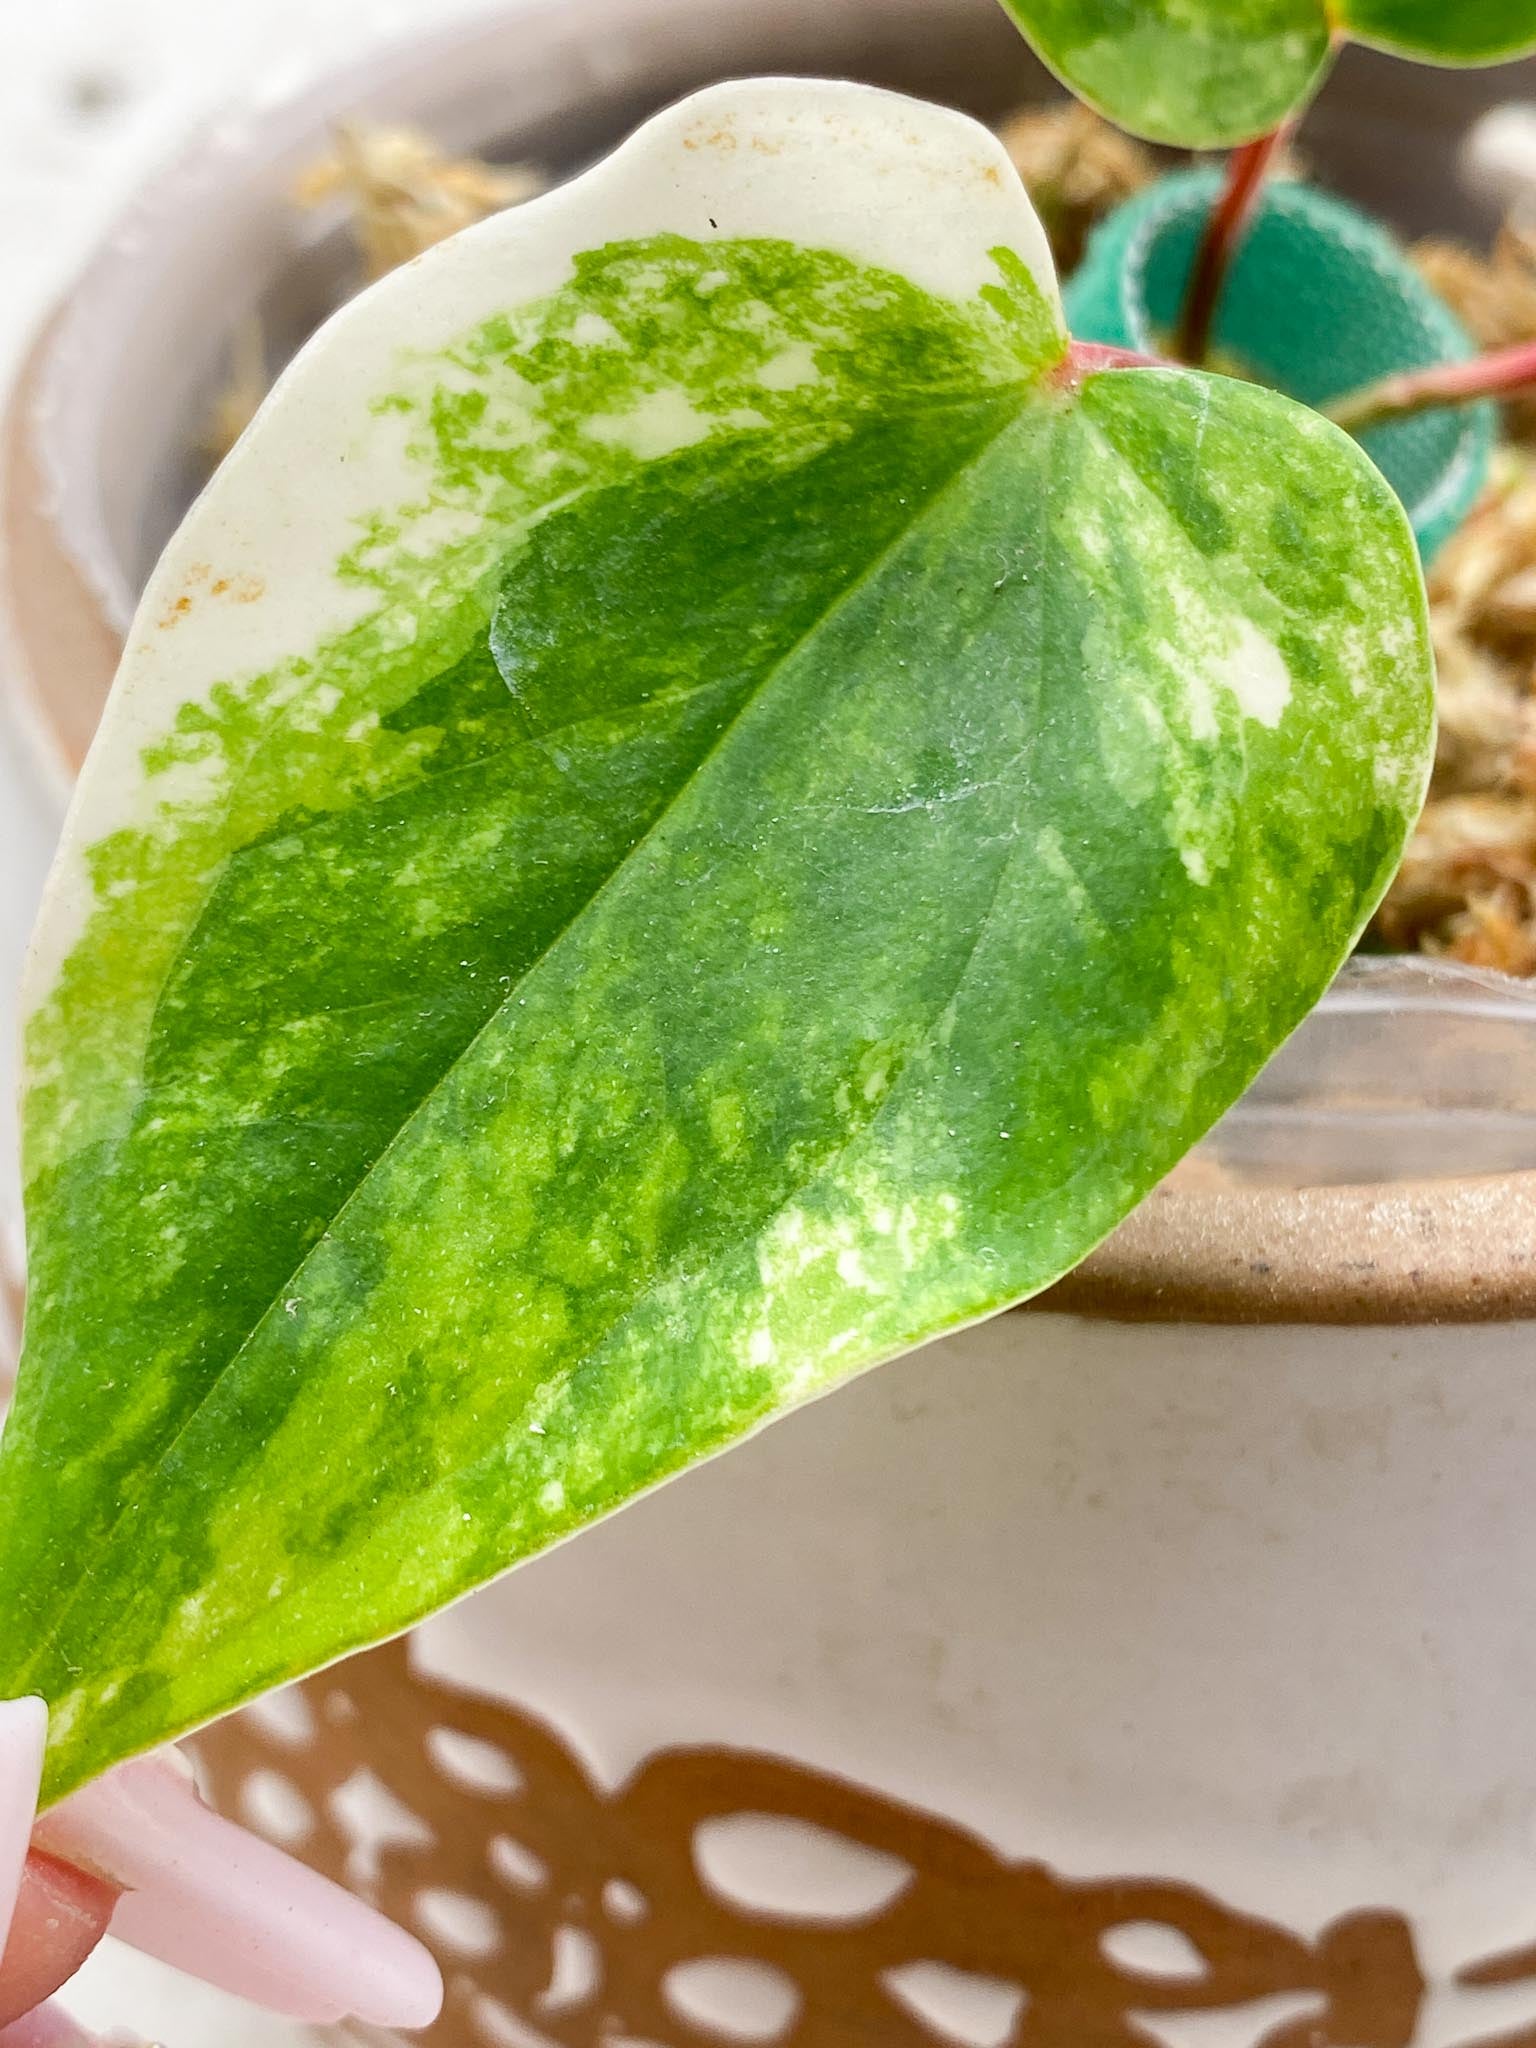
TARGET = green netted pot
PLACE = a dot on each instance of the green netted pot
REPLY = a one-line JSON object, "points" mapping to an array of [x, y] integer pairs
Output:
{"points": [[1320, 300]]}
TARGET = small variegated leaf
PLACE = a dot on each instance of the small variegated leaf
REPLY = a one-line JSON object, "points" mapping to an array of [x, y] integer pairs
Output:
{"points": [[690, 810], [1203, 74]]}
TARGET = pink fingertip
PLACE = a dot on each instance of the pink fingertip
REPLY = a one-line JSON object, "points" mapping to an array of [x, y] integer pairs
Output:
{"points": [[212, 1899], [23, 1733], [49, 2026]]}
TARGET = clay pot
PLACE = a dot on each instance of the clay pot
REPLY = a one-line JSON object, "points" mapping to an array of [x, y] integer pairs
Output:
{"points": [[1154, 1665]]}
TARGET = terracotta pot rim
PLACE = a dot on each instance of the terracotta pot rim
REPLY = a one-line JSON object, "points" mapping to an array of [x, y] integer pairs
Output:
{"points": [[1460, 1250]]}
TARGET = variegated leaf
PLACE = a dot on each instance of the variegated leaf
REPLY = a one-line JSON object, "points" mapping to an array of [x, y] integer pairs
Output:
{"points": [[690, 810], [1205, 73]]}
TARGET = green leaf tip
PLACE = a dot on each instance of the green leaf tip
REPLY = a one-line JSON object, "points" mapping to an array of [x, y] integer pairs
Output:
{"points": [[683, 816], [1205, 74]]}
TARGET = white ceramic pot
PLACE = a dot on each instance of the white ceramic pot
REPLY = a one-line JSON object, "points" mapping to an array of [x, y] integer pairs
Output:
{"points": [[1066, 1684], [1152, 1666]]}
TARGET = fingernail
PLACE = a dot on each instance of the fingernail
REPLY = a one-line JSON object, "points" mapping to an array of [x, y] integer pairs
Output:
{"points": [[50, 2026], [215, 1900], [47, 2026], [61, 1914], [23, 1732]]}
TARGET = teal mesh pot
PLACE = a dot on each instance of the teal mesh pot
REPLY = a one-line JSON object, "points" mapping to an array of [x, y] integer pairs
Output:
{"points": [[1320, 300]]}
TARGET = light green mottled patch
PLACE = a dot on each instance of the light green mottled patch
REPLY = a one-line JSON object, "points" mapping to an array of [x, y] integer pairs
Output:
{"points": [[1202, 74], [814, 820]]}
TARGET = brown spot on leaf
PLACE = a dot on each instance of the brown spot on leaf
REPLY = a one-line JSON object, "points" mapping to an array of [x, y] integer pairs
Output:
{"points": [[722, 136], [240, 589]]}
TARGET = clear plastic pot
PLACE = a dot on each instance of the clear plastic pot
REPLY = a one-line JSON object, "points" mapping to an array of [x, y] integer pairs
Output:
{"points": [[1149, 1666]]}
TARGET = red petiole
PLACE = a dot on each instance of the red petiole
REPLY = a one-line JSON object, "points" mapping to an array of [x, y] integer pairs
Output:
{"points": [[1409, 391], [1493, 375], [1246, 171], [1083, 358]]}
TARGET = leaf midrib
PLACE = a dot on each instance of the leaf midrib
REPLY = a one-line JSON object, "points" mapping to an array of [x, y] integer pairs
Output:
{"points": [[1025, 391]]}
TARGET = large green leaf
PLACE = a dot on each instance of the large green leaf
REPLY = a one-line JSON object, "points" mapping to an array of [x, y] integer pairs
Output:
{"points": [[685, 814], [1206, 73]]}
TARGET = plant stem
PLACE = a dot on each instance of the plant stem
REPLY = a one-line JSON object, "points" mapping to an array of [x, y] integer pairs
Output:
{"points": [[1084, 358], [1410, 391], [1247, 168]]}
